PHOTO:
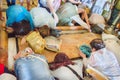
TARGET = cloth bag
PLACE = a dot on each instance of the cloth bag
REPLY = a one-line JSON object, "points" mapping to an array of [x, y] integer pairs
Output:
{"points": [[36, 42]]}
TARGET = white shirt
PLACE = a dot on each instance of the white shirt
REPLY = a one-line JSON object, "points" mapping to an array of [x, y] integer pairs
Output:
{"points": [[105, 61]]}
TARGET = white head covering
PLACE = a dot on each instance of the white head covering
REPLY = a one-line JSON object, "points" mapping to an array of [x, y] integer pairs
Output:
{"points": [[7, 76]]}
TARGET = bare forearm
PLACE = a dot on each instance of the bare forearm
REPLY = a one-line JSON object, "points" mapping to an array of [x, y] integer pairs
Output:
{"points": [[49, 3], [50, 6], [85, 62]]}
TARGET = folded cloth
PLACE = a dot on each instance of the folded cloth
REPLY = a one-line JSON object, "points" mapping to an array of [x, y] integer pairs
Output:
{"points": [[53, 43]]}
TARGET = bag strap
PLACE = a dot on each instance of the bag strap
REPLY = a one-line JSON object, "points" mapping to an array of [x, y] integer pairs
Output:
{"points": [[74, 72]]}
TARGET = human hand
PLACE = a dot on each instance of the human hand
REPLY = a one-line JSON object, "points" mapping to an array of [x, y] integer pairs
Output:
{"points": [[9, 29], [82, 54], [23, 53], [89, 29]]}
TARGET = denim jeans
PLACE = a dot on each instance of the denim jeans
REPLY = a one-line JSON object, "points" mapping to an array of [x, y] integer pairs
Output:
{"points": [[32, 67], [10, 2]]}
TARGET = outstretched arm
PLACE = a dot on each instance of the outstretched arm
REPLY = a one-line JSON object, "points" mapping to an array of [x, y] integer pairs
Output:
{"points": [[49, 3], [84, 58]]}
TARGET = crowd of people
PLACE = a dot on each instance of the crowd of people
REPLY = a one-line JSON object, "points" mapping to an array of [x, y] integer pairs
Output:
{"points": [[52, 7], [31, 66]]}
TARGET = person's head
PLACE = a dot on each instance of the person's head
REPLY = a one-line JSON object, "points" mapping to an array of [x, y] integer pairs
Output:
{"points": [[3, 56], [19, 28], [44, 30], [97, 44], [61, 59]]}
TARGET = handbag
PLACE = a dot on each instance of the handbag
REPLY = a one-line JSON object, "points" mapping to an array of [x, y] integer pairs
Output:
{"points": [[36, 42]]}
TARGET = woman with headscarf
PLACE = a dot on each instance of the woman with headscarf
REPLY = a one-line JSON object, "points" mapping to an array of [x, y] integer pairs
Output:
{"points": [[64, 69], [19, 20]]}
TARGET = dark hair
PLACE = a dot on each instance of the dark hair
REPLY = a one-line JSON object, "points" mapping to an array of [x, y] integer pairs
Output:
{"points": [[61, 59], [97, 43], [21, 28]]}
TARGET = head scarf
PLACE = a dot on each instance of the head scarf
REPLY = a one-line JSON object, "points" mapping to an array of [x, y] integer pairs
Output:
{"points": [[17, 13], [86, 50]]}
